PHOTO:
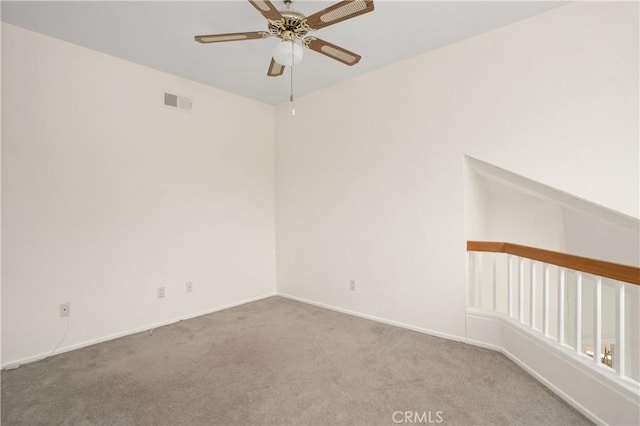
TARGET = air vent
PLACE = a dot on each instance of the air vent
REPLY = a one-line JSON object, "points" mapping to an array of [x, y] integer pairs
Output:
{"points": [[171, 99], [175, 101]]}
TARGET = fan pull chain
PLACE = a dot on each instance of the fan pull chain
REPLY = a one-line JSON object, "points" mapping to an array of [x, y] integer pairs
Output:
{"points": [[293, 105]]}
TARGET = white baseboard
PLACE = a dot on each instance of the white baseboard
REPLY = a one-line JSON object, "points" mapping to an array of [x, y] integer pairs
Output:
{"points": [[618, 402], [626, 388], [555, 389], [227, 306], [377, 319], [41, 356], [484, 345], [624, 393]]}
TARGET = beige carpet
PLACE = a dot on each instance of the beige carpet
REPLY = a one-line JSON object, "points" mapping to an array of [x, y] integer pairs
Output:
{"points": [[278, 362]]}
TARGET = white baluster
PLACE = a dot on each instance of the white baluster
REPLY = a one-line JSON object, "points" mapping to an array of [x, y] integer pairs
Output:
{"points": [[561, 301], [597, 326], [532, 288], [471, 285], [509, 286], [618, 351], [579, 313], [520, 290], [477, 265], [545, 300], [494, 278]]}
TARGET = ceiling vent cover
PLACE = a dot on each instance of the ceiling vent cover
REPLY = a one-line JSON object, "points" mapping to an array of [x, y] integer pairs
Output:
{"points": [[175, 101]]}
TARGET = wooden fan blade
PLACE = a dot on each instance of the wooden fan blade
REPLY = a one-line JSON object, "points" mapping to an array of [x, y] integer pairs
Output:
{"points": [[339, 12], [218, 38], [332, 51], [267, 9], [275, 69]]}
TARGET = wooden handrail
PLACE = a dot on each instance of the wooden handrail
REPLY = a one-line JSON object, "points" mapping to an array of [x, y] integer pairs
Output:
{"points": [[616, 271]]}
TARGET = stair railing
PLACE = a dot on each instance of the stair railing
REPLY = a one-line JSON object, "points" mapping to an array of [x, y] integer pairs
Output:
{"points": [[565, 298]]}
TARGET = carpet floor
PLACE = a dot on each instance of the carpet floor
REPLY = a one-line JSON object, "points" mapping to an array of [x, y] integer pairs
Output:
{"points": [[279, 362]]}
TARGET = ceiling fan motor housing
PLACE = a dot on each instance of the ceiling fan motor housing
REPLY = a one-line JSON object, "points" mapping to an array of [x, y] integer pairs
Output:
{"points": [[291, 26]]}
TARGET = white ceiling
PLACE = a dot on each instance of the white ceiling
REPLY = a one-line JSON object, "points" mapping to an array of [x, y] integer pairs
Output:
{"points": [[160, 35]]}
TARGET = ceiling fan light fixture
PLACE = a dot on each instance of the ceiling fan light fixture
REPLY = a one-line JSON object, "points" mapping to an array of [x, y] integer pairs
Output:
{"points": [[288, 53]]}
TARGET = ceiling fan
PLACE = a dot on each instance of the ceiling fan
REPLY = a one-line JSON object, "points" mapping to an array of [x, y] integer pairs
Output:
{"points": [[292, 28]]}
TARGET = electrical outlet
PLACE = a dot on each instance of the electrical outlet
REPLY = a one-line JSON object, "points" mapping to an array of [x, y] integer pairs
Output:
{"points": [[160, 292], [352, 285], [189, 287], [65, 309]]}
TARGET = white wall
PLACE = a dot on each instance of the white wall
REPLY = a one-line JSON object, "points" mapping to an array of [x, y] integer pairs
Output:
{"points": [[476, 204], [503, 206], [369, 172], [107, 195], [591, 236], [1, 115], [527, 220], [554, 98]]}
